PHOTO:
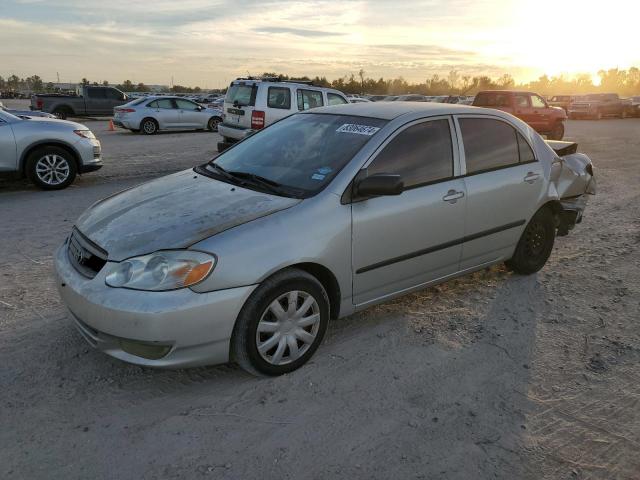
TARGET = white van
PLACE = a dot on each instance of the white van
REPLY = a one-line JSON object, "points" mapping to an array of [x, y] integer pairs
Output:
{"points": [[252, 104]]}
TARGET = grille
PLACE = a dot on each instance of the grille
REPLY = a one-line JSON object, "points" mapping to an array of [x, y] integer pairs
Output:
{"points": [[85, 256]]}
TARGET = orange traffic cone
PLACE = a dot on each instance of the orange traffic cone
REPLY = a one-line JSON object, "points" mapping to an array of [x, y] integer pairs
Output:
{"points": [[111, 127]]}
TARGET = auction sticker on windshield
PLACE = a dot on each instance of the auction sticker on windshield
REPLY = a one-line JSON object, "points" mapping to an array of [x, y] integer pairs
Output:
{"points": [[357, 129]]}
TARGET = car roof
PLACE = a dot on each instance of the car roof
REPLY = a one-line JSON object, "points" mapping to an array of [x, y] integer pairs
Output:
{"points": [[391, 110]]}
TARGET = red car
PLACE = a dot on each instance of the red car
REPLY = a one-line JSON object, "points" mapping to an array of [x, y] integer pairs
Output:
{"points": [[528, 107]]}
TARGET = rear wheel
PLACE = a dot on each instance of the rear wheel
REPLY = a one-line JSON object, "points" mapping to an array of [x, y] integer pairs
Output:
{"points": [[149, 126], [281, 325], [536, 243], [557, 133], [62, 113], [51, 168]]}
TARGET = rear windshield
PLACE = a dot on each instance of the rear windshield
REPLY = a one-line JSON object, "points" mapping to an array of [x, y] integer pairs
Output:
{"points": [[303, 152], [241, 95], [137, 101]]}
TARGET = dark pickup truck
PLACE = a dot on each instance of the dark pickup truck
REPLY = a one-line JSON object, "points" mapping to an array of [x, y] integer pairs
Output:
{"points": [[88, 101], [600, 105], [528, 107]]}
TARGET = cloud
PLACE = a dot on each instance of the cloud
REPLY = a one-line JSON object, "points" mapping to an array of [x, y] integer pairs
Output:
{"points": [[297, 32]]}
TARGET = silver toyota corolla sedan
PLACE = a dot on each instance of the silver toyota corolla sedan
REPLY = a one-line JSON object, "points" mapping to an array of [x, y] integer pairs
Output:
{"points": [[322, 214], [149, 115]]}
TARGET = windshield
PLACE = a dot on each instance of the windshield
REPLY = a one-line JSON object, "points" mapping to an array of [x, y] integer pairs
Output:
{"points": [[301, 153], [242, 95]]}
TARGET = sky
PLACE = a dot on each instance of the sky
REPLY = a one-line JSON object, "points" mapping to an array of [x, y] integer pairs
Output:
{"points": [[208, 43]]}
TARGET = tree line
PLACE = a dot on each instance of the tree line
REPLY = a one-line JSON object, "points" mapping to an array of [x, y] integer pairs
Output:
{"points": [[623, 82]]}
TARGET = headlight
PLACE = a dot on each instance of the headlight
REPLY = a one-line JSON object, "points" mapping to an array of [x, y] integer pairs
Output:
{"points": [[161, 271], [85, 134]]}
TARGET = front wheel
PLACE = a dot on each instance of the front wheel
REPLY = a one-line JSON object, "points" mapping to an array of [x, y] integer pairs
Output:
{"points": [[212, 124], [557, 132], [535, 245], [281, 325], [51, 168]]}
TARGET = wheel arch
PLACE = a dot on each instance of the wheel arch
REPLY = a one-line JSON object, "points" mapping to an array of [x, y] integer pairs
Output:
{"points": [[47, 143], [325, 277], [63, 106]]}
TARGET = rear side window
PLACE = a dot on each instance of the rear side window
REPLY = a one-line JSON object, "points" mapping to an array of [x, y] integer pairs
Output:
{"points": [[308, 99], [525, 152], [488, 144], [279, 97], [420, 154], [335, 99], [164, 103], [241, 95], [522, 101], [492, 100]]}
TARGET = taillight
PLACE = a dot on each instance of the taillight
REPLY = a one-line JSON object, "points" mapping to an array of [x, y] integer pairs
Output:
{"points": [[39, 104], [257, 120], [125, 110]]}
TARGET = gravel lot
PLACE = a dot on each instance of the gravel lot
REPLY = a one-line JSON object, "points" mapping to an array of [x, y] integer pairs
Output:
{"points": [[489, 376]]}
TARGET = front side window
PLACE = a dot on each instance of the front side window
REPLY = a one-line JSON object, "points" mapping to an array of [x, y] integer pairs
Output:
{"points": [[537, 102], [308, 99], [187, 105], [96, 92], [335, 99], [113, 94], [302, 153], [279, 97], [488, 144], [421, 154]]}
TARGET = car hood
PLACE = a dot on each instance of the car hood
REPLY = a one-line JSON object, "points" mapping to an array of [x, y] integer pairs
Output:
{"points": [[55, 122], [175, 211]]}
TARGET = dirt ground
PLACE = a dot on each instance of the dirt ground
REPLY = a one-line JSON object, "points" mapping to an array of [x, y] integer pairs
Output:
{"points": [[490, 376]]}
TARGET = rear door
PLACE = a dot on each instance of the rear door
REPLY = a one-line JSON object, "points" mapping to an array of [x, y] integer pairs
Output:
{"points": [[239, 103], [504, 183], [403, 241], [8, 154], [308, 99], [280, 103]]}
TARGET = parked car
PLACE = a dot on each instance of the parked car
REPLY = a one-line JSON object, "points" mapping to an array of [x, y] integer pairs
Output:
{"points": [[25, 113], [599, 105], [320, 215], [635, 106], [527, 106], [358, 100], [150, 115], [410, 98], [49, 152], [562, 101], [377, 98], [252, 104], [87, 101]]}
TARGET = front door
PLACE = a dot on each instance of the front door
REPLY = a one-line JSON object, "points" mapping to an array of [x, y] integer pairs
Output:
{"points": [[407, 240], [541, 114], [166, 112], [8, 155], [190, 115], [504, 183]]}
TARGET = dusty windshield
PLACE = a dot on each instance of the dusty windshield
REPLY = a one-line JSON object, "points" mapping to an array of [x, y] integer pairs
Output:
{"points": [[301, 153]]}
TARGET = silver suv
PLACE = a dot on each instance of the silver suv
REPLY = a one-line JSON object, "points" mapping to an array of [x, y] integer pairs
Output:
{"points": [[253, 104], [322, 214], [49, 152]]}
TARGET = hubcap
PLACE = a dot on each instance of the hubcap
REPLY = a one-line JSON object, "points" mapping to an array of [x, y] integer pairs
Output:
{"points": [[213, 124], [52, 169], [149, 127], [288, 328], [535, 239]]}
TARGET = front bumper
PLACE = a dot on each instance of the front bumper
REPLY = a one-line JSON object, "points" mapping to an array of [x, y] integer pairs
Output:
{"points": [[196, 327]]}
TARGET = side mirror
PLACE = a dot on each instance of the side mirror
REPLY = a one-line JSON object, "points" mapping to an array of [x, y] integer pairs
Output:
{"points": [[380, 184]]}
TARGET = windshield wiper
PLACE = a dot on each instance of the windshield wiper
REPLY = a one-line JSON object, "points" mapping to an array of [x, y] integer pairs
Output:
{"points": [[268, 184]]}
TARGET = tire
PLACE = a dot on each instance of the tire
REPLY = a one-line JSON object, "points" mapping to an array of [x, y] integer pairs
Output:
{"points": [[62, 113], [149, 126], [277, 357], [557, 132], [535, 244], [51, 168], [212, 124]]}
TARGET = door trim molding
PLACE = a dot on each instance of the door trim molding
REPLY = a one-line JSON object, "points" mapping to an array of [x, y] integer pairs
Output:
{"points": [[442, 246]]}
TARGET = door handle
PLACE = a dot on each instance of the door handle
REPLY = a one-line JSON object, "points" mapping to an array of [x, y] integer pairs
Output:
{"points": [[531, 177], [452, 196]]}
